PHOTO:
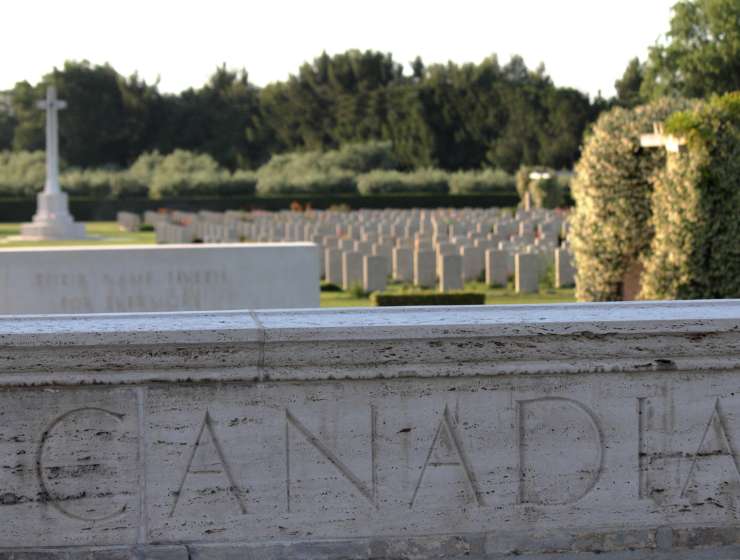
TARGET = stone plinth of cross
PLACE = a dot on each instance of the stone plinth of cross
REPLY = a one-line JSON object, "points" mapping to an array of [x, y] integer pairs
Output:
{"points": [[52, 105]]}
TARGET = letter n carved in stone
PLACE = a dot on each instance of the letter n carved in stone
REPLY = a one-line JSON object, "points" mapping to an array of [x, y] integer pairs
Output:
{"points": [[326, 453]]}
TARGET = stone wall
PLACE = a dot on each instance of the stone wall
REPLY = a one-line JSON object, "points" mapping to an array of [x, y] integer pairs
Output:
{"points": [[404, 433]]}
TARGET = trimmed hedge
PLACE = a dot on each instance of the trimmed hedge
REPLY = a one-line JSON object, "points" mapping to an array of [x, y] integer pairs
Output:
{"points": [[181, 173], [424, 181], [611, 227], [88, 209], [312, 182], [696, 208], [452, 298], [481, 182]]}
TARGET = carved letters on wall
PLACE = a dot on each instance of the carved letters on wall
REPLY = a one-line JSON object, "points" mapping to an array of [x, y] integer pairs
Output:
{"points": [[559, 449], [76, 461]]}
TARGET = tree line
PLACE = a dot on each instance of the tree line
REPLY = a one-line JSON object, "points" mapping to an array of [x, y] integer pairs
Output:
{"points": [[449, 116]]}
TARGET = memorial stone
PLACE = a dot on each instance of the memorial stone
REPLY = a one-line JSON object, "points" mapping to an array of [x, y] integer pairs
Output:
{"points": [[137, 278], [351, 269], [403, 264], [497, 268], [374, 273], [451, 273], [526, 273], [52, 219], [599, 431], [473, 263], [128, 221], [425, 269], [333, 266], [564, 270]]}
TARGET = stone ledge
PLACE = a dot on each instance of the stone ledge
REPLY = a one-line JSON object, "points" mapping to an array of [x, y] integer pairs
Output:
{"points": [[469, 547], [372, 343]]}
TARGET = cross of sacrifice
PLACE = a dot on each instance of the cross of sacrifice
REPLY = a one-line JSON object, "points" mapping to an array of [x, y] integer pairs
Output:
{"points": [[52, 105], [658, 139]]}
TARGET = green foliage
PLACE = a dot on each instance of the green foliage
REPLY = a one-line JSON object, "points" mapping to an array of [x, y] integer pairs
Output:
{"points": [[22, 174], [312, 182], [7, 123], [315, 172], [183, 173], [481, 182], [361, 158], [702, 54], [628, 86], [696, 208], [451, 116], [547, 281], [612, 189], [357, 291], [427, 298], [104, 122], [424, 181], [329, 287]]}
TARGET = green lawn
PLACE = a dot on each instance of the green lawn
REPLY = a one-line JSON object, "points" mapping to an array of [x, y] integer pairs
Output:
{"points": [[101, 233], [493, 295]]}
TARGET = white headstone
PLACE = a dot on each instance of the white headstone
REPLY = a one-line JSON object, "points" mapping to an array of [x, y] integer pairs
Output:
{"points": [[333, 266], [564, 270], [425, 271], [403, 265], [351, 269], [374, 273], [450, 273], [526, 273], [497, 267]]}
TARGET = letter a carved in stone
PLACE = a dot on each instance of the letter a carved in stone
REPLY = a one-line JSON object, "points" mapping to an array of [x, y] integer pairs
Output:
{"points": [[207, 469], [714, 451], [447, 451]]}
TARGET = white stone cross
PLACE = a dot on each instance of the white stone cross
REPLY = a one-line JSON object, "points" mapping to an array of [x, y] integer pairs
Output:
{"points": [[51, 105], [658, 139], [52, 219]]}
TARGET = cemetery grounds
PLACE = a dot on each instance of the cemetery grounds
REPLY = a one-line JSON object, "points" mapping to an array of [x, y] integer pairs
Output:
{"points": [[108, 233]]}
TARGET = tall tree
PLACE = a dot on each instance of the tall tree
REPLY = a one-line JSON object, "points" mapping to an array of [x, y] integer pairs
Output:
{"points": [[223, 119], [7, 122], [702, 53], [628, 86]]}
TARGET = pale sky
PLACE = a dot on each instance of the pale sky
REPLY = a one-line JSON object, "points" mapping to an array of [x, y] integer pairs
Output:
{"points": [[584, 44]]}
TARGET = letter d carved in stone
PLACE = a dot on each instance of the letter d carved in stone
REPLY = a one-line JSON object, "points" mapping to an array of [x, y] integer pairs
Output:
{"points": [[560, 451]]}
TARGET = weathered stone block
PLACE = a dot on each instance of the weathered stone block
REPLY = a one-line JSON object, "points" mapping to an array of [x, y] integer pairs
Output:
{"points": [[135, 278], [434, 433]]}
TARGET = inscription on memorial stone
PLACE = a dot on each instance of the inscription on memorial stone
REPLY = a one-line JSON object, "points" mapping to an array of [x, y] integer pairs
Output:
{"points": [[284, 459]]}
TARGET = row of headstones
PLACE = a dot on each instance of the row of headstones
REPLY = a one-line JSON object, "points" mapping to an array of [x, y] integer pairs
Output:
{"points": [[422, 236], [364, 224], [429, 269]]}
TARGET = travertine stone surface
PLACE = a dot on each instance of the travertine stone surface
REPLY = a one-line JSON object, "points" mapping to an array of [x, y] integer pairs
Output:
{"points": [[484, 432], [136, 278]]}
